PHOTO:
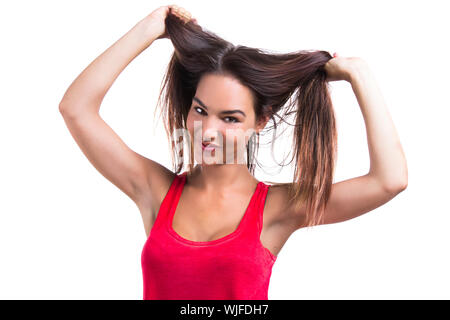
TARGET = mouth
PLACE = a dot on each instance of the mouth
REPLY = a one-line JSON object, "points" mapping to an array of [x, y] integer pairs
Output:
{"points": [[209, 147]]}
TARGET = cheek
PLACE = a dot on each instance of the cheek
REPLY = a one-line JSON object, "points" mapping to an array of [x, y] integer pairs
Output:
{"points": [[238, 140], [190, 122]]}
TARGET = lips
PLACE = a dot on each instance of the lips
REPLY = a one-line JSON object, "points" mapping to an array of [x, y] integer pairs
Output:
{"points": [[209, 146]]}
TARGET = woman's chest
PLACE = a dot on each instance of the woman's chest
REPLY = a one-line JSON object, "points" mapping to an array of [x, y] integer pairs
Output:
{"points": [[205, 220], [202, 221]]}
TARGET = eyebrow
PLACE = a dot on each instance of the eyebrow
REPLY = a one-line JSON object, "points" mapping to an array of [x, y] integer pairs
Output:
{"points": [[223, 112]]}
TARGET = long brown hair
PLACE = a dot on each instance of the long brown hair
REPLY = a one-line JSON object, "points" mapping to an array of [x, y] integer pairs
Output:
{"points": [[282, 84]]}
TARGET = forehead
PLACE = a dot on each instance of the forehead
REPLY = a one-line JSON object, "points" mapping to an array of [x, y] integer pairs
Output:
{"points": [[224, 92]]}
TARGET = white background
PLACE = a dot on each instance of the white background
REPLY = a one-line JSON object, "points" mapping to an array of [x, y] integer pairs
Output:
{"points": [[68, 233]]}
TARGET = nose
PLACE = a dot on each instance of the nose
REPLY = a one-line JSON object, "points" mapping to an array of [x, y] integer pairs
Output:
{"points": [[211, 134], [211, 131]]}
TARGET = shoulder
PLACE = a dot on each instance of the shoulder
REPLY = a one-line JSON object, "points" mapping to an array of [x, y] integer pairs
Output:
{"points": [[280, 210]]}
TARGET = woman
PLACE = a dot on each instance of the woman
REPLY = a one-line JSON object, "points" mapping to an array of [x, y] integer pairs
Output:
{"points": [[214, 231]]}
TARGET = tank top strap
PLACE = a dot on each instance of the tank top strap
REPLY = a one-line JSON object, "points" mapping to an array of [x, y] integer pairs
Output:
{"points": [[254, 221], [170, 199], [262, 202]]}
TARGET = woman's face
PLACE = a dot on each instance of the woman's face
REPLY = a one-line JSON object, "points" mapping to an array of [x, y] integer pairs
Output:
{"points": [[221, 114]]}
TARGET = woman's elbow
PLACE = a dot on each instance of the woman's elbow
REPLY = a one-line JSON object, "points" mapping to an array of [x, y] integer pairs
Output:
{"points": [[397, 186]]}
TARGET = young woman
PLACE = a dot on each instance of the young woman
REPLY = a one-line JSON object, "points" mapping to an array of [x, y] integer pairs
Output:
{"points": [[214, 231]]}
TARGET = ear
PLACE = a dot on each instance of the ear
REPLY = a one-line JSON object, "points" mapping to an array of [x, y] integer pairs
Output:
{"points": [[263, 121]]}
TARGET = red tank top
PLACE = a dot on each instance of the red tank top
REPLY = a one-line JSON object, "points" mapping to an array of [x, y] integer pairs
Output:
{"points": [[236, 266]]}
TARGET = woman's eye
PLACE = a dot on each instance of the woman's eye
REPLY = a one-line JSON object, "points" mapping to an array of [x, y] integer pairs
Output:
{"points": [[197, 108], [233, 120]]}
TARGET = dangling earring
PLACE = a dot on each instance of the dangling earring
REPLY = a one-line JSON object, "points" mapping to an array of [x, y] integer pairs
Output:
{"points": [[252, 137]]}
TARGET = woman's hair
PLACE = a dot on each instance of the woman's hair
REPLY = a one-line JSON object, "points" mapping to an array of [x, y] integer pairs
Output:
{"points": [[282, 85]]}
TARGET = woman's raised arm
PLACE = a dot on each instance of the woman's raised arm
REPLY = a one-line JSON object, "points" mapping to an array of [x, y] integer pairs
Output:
{"points": [[142, 179]]}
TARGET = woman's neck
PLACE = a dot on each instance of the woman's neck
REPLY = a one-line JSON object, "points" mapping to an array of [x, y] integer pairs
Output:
{"points": [[219, 178]]}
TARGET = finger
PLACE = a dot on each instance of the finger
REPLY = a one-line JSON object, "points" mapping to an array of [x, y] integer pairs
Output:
{"points": [[172, 8], [186, 15], [175, 10], [182, 13]]}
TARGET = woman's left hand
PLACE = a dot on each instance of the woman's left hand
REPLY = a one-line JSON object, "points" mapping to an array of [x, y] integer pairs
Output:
{"points": [[342, 68]]}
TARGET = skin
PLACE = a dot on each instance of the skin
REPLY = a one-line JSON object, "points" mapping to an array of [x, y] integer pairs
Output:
{"points": [[215, 196], [217, 94], [225, 189]]}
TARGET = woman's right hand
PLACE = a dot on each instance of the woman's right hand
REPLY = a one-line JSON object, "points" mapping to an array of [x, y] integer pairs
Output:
{"points": [[156, 20]]}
